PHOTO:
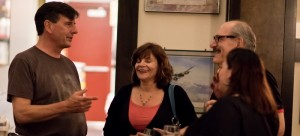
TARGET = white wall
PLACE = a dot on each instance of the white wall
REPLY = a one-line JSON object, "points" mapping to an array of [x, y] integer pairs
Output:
{"points": [[179, 30], [23, 33], [23, 36]]}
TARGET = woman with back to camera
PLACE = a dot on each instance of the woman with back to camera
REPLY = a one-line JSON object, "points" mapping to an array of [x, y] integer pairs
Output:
{"points": [[245, 106], [145, 102]]}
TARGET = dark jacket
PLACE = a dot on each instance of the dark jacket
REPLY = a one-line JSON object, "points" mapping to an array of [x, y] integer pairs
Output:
{"points": [[230, 116]]}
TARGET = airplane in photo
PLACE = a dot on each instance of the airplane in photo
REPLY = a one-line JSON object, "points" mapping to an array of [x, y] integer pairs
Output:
{"points": [[177, 76]]}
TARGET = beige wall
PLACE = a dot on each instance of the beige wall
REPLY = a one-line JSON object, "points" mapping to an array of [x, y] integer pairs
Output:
{"points": [[298, 11], [296, 102], [296, 98], [179, 30], [298, 20]]}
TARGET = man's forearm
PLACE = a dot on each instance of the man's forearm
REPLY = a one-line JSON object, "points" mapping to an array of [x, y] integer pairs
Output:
{"points": [[26, 113]]}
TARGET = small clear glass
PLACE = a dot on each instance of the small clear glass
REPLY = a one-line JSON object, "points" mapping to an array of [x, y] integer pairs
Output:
{"points": [[4, 126], [148, 132], [171, 130]]}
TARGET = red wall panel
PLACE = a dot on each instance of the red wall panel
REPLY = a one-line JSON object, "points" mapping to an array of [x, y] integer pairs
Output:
{"points": [[92, 45]]}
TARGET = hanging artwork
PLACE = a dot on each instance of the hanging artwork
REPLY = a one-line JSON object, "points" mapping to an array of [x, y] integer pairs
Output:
{"points": [[193, 70], [185, 6]]}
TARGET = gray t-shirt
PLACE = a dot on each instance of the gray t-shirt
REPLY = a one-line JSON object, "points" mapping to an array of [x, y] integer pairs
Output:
{"points": [[37, 76]]}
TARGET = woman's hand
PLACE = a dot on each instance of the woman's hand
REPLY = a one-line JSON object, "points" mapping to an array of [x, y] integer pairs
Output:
{"points": [[140, 134], [161, 131], [209, 104], [182, 131]]}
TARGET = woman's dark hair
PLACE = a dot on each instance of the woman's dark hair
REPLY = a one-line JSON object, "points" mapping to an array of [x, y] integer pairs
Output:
{"points": [[248, 79], [164, 72], [51, 11]]}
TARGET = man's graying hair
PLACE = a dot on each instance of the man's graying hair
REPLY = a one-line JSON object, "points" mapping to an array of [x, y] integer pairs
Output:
{"points": [[243, 30]]}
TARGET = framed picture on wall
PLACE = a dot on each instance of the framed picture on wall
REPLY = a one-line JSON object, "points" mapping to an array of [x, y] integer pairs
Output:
{"points": [[194, 71], [185, 6]]}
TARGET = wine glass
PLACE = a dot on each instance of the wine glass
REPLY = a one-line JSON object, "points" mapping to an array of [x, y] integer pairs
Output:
{"points": [[171, 130], [148, 132]]}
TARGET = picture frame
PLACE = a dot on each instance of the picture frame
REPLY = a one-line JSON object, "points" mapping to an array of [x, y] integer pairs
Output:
{"points": [[184, 6], [193, 71]]}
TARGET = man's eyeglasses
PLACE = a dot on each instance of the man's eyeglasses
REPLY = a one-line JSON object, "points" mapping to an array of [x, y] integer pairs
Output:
{"points": [[218, 37]]}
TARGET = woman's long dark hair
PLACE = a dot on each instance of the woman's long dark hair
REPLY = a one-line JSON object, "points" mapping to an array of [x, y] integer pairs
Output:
{"points": [[164, 72], [248, 79]]}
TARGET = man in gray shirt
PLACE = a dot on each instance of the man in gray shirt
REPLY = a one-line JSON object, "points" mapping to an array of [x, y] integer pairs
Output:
{"points": [[44, 85]]}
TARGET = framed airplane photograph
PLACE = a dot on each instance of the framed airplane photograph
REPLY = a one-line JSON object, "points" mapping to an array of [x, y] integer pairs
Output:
{"points": [[193, 71]]}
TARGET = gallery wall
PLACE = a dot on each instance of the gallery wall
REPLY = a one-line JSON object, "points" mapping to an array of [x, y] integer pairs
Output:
{"points": [[185, 31]]}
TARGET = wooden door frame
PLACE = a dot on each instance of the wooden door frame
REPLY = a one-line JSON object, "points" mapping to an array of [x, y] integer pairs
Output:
{"points": [[288, 64], [126, 40]]}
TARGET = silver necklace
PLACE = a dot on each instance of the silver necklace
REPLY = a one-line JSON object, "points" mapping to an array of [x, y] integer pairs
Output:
{"points": [[146, 101]]}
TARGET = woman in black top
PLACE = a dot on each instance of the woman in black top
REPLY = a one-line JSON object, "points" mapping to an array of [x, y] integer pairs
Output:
{"points": [[245, 106], [145, 103]]}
